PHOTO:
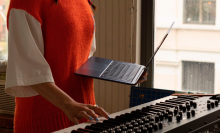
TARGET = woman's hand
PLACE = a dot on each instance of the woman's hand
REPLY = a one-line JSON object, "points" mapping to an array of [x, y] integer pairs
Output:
{"points": [[143, 76], [76, 111]]}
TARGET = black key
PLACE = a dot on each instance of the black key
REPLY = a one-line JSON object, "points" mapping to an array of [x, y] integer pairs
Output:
{"points": [[102, 126], [134, 115], [124, 118], [99, 129], [179, 102], [188, 97], [87, 130], [112, 122], [142, 113], [167, 104], [74, 131]]}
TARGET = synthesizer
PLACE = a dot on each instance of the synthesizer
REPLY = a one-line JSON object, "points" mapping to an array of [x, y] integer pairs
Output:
{"points": [[172, 114]]}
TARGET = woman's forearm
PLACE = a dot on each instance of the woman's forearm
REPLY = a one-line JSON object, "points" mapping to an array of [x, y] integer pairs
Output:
{"points": [[73, 110], [53, 94]]}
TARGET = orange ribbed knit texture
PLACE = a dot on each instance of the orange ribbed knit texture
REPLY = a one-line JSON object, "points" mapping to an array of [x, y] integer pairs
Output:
{"points": [[67, 30]]}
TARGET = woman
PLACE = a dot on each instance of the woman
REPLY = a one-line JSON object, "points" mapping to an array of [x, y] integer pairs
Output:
{"points": [[48, 41]]}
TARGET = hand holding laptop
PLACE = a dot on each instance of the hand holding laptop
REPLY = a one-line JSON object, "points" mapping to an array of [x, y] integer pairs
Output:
{"points": [[143, 76]]}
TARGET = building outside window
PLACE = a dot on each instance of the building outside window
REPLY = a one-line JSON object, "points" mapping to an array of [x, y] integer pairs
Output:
{"points": [[192, 47], [198, 76], [199, 11]]}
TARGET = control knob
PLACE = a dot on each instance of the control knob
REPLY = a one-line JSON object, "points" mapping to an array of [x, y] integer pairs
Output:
{"points": [[138, 131], [194, 104], [166, 115], [188, 114], [160, 125], [178, 118], [146, 120], [216, 102], [176, 107], [124, 128], [161, 117], [184, 108], [150, 129], [191, 103], [144, 130], [156, 118], [208, 105], [151, 119], [147, 125], [140, 122], [155, 127], [175, 111], [181, 114], [170, 118], [212, 104], [180, 106], [188, 107], [135, 124], [129, 131], [171, 112], [193, 112], [135, 129], [118, 130], [141, 127]]}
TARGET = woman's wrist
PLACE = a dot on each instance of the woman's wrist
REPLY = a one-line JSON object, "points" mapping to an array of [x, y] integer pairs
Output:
{"points": [[54, 94]]}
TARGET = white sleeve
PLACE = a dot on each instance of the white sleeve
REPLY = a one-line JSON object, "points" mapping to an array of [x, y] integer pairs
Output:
{"points": [[26, 63], [93, 47]]}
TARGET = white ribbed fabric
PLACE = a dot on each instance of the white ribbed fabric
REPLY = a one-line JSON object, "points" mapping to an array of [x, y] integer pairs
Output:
{"points": [[26, 63]]}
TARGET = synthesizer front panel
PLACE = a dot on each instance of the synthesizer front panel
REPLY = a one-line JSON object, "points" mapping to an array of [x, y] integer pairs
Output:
{"points": [[172, 114]]}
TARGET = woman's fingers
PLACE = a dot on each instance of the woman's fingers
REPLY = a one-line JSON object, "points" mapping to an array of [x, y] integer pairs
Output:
{"points": [[102, 112], [84, 114], [92, 114], [75, 120]]}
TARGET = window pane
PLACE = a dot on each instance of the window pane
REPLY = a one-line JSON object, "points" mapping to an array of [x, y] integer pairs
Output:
{"points": [[3, 29], [189, 59], [191, 11], [208, 12], [198, 76]]}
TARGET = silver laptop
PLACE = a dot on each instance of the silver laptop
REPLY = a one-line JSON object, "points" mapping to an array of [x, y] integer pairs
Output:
{"points": [[116, 71]]}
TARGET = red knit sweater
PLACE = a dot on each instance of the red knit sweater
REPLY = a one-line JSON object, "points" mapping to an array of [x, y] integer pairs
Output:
{"points": [[67, 30]]}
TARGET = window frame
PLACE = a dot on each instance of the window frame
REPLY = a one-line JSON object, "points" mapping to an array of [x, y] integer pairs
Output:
{"points": [[147, 38]]}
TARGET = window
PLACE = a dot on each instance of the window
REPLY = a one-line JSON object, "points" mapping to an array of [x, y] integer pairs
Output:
{"points": [[198, 76], [3, 29], [199, 11], [189, 50]]}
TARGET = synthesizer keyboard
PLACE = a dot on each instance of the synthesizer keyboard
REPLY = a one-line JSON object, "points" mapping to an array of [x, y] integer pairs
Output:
{"points": [[172, 114]]}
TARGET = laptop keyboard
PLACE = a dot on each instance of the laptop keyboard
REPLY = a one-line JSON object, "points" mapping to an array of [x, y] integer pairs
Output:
{"points": [[121, 71]]}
